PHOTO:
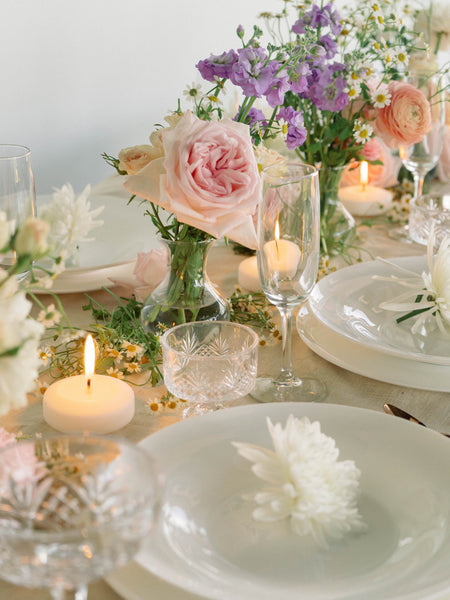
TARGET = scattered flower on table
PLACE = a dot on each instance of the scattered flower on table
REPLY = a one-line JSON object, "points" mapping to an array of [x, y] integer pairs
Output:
{"points": [[308, 485], [70, 218], [428, 295]]}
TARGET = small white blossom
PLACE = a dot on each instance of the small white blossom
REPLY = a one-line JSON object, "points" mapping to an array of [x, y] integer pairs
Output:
{"points": [[362, 132], [381, 97], [308, 485], [132, 350], [49, 316], [112, 372], [192, 92], [70, 218]]}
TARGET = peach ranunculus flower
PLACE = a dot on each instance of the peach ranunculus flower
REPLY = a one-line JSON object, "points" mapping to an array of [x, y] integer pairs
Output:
{"points": [[407, 118], [382, 176], [208, 177]]}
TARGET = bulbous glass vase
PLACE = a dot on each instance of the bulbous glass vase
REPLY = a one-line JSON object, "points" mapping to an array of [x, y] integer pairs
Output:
{"points": [[185, 294]]}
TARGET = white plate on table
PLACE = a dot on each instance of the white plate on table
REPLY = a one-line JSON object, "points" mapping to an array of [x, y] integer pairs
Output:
{"points": [[112, 252], [348, 300], [368, 361], [208, 544]]}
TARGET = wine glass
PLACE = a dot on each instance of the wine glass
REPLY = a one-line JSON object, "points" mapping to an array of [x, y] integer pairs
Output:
{"points": [[72, 509], [208, 363], [422, 157], [288, 258], [17, 195]]}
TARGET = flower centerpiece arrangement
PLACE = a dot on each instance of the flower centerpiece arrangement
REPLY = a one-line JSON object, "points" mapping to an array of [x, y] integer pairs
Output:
{"points": [[330, 81], [322, 85]]}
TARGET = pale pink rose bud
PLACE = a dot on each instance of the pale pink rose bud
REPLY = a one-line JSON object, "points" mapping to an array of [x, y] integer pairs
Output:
{"points": [[371, 150], [151, 267], [407, 118], [135, 158], [31, 238]]}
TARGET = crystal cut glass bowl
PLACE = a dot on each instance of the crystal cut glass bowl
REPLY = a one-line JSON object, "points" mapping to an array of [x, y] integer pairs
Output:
{"points": [[209, 363]]}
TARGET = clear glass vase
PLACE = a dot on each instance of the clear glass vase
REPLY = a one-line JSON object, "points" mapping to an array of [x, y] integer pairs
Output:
{"points": [[185, 294], [337, 226]]}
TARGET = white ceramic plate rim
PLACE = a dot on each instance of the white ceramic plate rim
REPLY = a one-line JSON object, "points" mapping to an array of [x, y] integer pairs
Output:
{"points": [[325, 287], [368, 361], [184, 432]]}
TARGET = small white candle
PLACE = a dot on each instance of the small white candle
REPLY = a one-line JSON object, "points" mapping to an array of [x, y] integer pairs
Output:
{"points": [[248, 276], [89, 402], [282, 256], [365, 200]]}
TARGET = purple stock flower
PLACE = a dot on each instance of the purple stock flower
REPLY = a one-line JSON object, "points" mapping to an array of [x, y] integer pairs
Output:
{"points": [[217, 65], [252, 73], [317, 16], [276, 92], [298, 77], [254, 115], [296, 133], [328, 92], [329, 44]]}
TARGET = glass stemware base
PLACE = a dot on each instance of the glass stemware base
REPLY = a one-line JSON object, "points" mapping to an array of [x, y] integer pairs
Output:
{"points": [[306, 389]]}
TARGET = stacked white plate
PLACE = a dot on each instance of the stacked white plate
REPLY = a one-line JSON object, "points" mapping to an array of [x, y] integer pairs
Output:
{"points": [[343, 323]]}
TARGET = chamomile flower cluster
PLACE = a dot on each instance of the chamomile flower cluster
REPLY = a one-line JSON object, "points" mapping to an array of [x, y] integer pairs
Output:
{"points": [[308, 485]]}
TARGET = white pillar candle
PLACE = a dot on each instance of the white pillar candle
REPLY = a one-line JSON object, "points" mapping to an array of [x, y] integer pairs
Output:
{"points": [[88, 403], [248, 276], [282, 256], [365, 200]]}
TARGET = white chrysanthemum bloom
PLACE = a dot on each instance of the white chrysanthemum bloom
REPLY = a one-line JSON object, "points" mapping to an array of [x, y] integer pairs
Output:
{"points": [[429, 293], [70, 218], [308, 485]]}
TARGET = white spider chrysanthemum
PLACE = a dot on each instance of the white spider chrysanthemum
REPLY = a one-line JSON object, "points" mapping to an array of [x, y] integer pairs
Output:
{"points": [[308, 485], [70, 218], [429, 293]]}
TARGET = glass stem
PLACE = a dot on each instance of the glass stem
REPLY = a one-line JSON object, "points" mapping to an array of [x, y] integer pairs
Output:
{"points": [[418, 184], [286, 374], [80, 593]]}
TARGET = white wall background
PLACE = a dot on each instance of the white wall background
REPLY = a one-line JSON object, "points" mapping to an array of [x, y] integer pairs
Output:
{"points": [[82, 77]]}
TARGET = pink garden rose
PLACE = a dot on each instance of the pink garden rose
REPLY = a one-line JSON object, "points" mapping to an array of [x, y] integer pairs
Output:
{"points": [[151, 267], [208, 177], [407, 118]]}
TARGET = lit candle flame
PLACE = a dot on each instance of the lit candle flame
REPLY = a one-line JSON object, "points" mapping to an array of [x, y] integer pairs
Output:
{"points": [[277, 236], [402, 153], [364, 174], [89, 360]]}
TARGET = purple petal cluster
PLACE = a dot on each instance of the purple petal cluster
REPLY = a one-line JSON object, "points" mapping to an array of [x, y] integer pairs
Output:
{"points": [[296, 132], [328, 92], [217, 65], [254, 115], [253, 72], [323, 17]]}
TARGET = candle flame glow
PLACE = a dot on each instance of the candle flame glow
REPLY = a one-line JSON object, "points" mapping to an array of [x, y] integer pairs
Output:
{"points": [[402, 153], [276, 234], [89, 359], [364, 173]]}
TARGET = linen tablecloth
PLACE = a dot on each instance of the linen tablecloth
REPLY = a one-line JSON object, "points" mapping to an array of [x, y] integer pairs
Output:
{"points": [[343, 386]]}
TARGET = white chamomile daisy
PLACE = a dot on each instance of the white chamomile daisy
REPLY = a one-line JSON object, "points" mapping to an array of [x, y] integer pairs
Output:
{"points": [[362, 132], [192, 92], [380, 96]]}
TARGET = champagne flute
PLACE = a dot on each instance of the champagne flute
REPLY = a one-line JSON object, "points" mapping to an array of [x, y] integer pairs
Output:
{"points": [[288, 258], [17, 195]]}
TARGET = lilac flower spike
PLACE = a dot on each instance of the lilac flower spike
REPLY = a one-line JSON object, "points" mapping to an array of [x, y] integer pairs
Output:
{"points": [[217, 65], [296, 133], [252, 73]]}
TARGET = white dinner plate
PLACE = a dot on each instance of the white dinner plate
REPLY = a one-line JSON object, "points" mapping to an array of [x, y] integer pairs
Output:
{"points": [[368, 361], [114, 247], [206, 541], [348, 302]]}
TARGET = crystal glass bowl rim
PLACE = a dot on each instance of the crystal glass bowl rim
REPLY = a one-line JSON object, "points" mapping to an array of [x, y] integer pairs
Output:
{"points": [[295, 172], [10, 151], [203, 324], [149, 482], [431, 204]]}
